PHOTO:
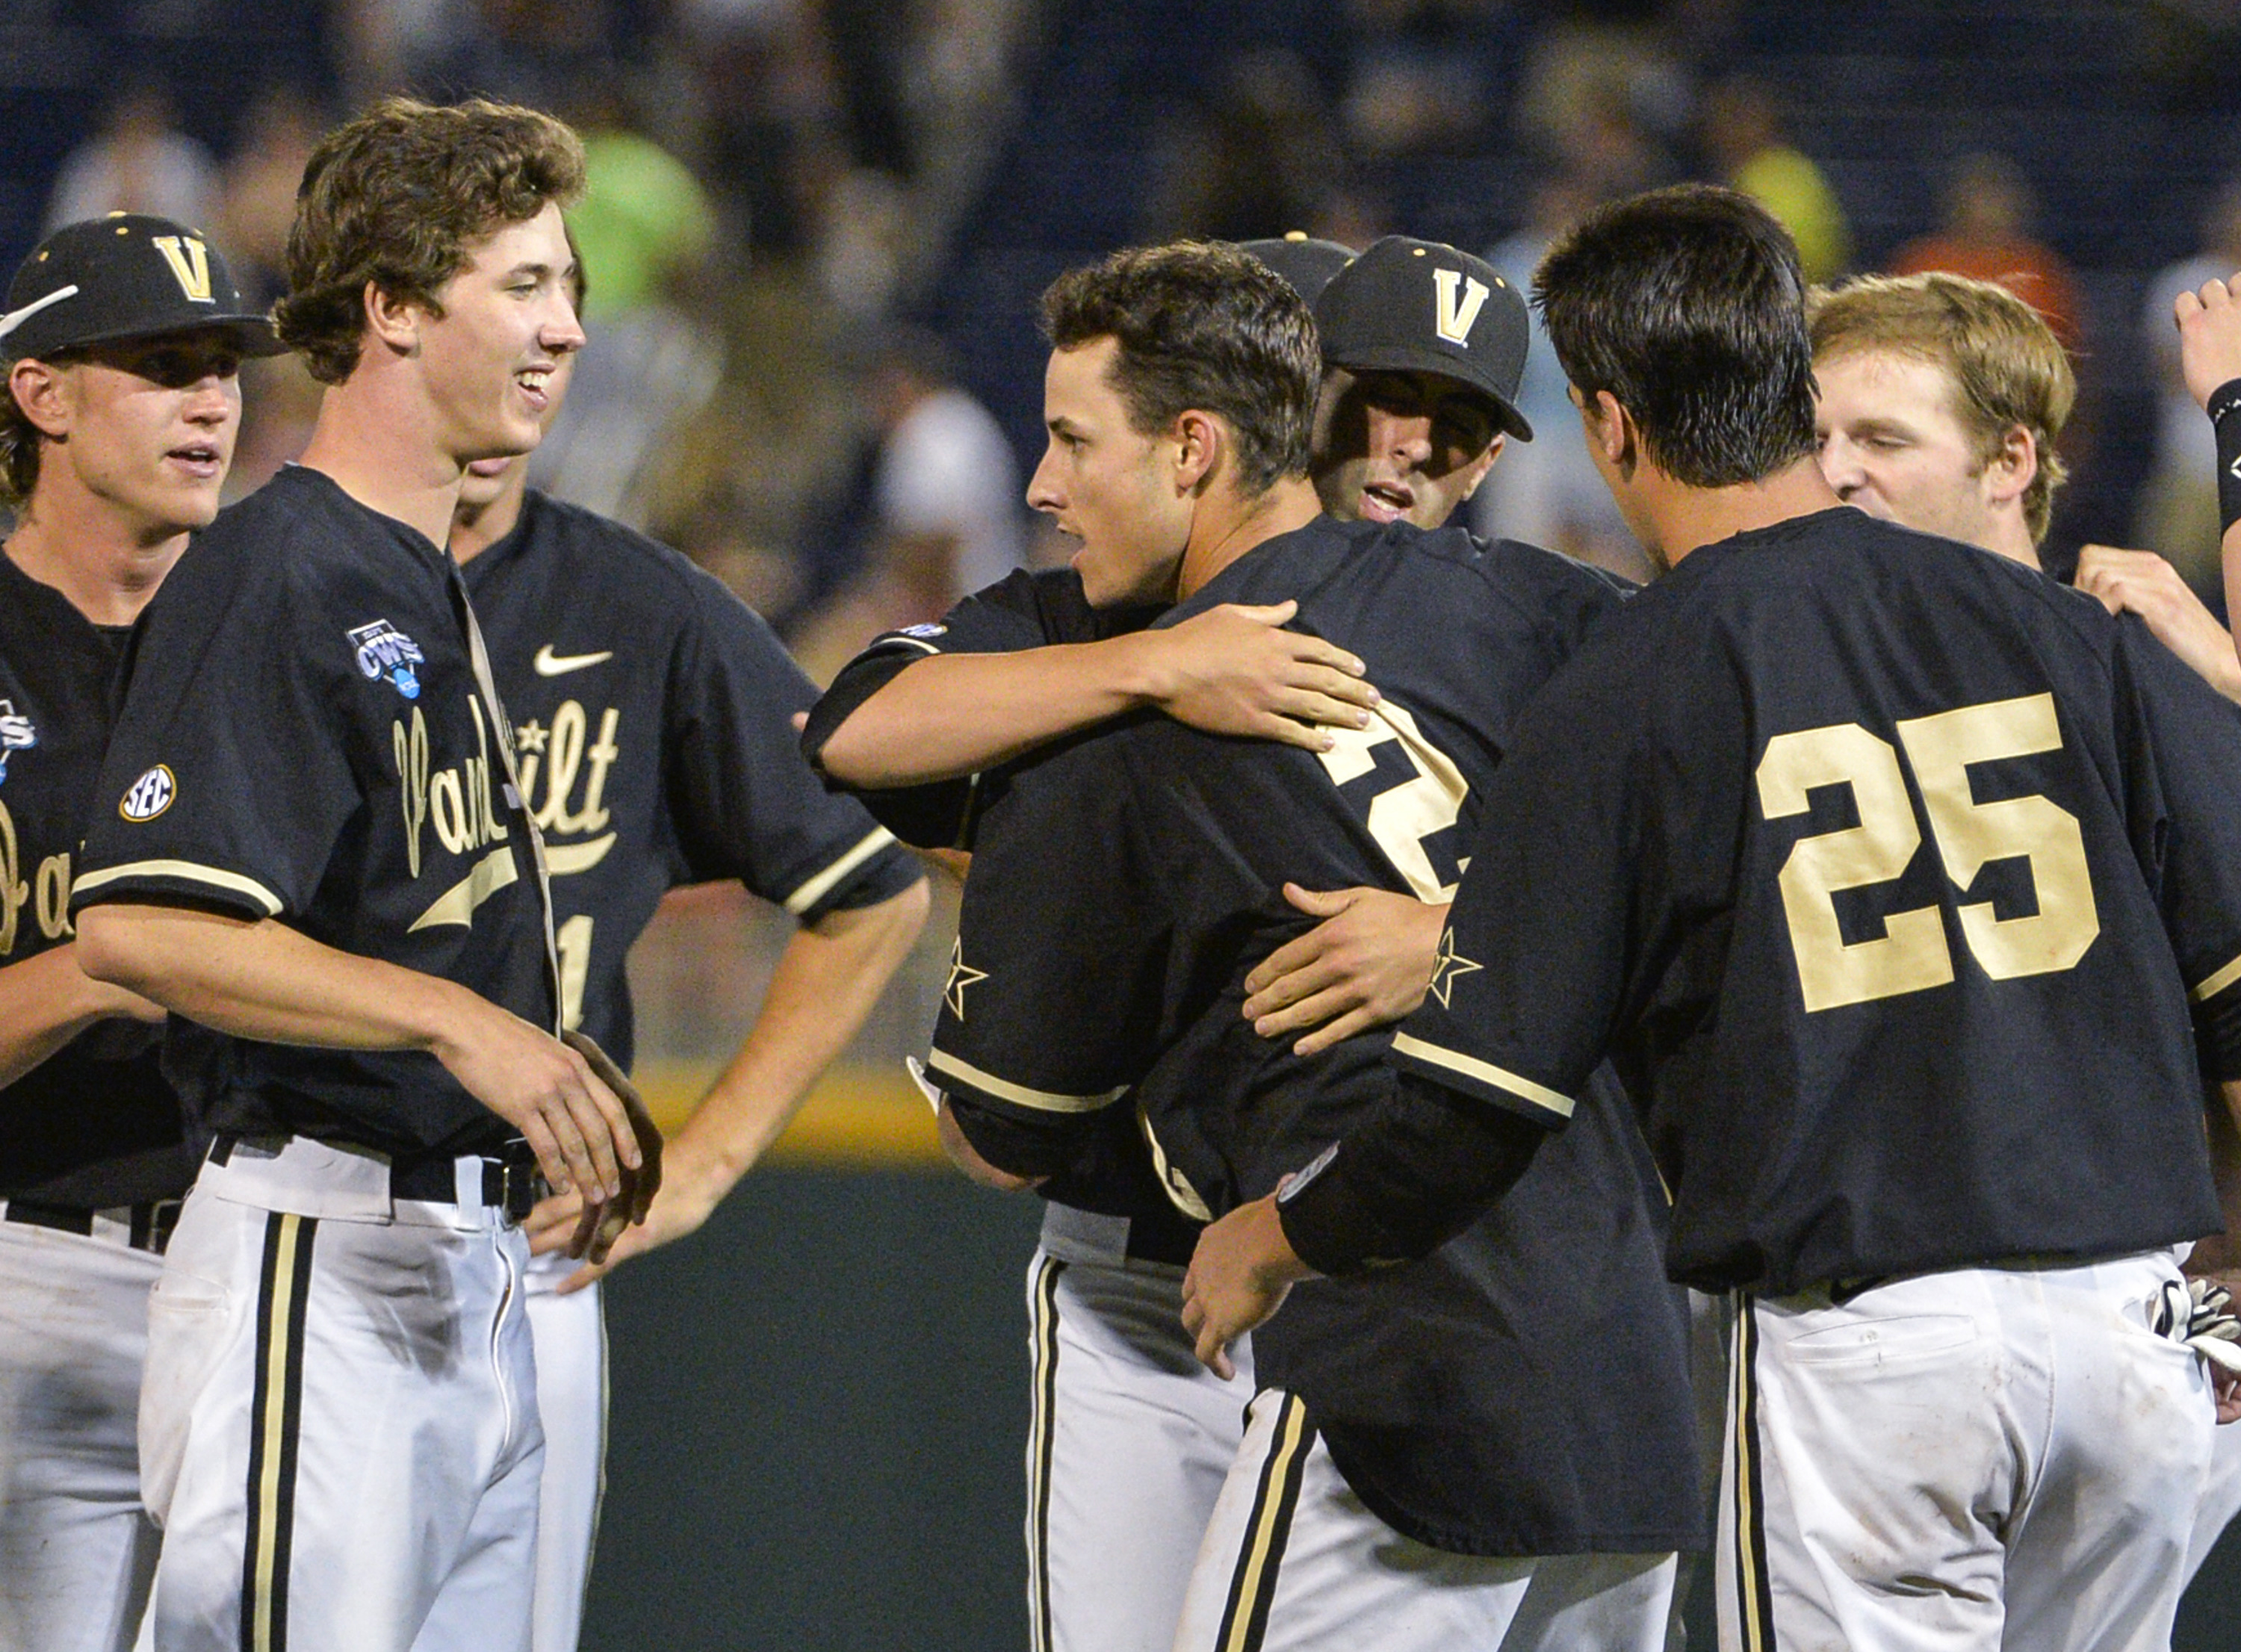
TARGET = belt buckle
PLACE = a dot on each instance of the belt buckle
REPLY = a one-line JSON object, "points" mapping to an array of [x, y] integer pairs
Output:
{"points": [[513, 1186]]}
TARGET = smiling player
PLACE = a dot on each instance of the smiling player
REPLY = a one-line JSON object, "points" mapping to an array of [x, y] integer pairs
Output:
{"points": [[312, 845], [123, 338]]}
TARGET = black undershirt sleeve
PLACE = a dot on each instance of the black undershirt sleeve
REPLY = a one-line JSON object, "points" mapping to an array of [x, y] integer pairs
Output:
{"points": [[1022, 1144], [1428, 1165]]}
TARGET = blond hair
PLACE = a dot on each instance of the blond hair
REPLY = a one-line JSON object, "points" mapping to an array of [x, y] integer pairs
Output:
{"points": [[2007, 367]]}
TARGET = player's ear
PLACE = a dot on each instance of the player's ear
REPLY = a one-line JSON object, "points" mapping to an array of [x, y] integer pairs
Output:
{"points": [[2011, 470], [39, 390], [1484, 463], [1610, 427], [393, 320], [1201, 439]]}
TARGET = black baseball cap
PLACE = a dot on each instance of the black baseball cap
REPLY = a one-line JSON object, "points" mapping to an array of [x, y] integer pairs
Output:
{"points": [[1425, 307], [1308, 265], [127, 275]]}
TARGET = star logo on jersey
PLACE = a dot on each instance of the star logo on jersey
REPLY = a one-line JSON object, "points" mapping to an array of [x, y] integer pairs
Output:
{"points": [[16, 733], [383, 651], [549, 664], [962, 975], [1446, 963], [530, 737]]}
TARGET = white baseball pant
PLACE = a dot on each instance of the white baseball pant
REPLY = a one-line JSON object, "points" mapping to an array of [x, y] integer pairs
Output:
{"points": [[1293, 1560], [2221, 1499], [2000, 1457], [339, 1427], [77, 1549], [569, 1334], [1129, 1445]]}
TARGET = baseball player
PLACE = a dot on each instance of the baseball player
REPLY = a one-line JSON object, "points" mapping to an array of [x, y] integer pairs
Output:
{"points": [[1905, 888], [1937, 396], [1414, 1472], [652, 713], [311, 843], [1130, 1442], [123, 338]]}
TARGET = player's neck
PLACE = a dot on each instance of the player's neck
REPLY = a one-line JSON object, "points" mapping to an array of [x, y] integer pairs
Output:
{"points": [[1687, 518], [107, 562], [2008, 536], [1226, 527], [376, 439], [475, 528]]}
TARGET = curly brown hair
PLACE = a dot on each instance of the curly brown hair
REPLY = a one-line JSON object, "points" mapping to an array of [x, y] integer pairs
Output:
{"points": [[396, 199]]}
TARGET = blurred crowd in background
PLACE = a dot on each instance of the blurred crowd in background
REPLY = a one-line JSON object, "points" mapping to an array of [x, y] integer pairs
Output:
{"points": [[814, 231]]}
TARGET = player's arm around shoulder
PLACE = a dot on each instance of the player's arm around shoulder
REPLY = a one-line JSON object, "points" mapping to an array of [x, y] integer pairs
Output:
{"points": [[980, 691]]}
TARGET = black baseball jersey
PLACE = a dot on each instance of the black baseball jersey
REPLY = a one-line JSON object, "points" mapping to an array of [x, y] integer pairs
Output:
{"points": [[302, 738], [1522, 1391], [1887, 870], [651, 715], [94, 1124], [1108, 1171]]}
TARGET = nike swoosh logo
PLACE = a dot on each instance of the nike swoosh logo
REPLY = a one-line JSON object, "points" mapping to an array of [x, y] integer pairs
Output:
{"points": [[549, 664]]}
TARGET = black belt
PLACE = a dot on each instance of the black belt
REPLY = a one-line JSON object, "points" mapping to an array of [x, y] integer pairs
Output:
{"points": [[148, 1226], [511, 1181]]}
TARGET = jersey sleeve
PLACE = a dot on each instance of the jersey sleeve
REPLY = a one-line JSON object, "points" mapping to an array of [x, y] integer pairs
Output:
{"points": [[1530, 972], [745, 804], [1019, 612], [2184, 818], [1051, 1009], [227, 781]]}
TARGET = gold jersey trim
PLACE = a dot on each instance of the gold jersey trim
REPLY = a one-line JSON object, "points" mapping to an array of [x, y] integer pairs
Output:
{"points": [[187, 872], [1524, 1089], [815, 890], [2217, 983], [944, 1066]]}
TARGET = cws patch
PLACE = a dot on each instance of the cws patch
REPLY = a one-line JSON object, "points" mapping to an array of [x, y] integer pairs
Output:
{"points": [[383, 651], [149, 795], [17, 734]]}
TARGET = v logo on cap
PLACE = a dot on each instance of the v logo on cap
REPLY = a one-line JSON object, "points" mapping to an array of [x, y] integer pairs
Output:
{"points": [[1452, 320], [189, 261]]}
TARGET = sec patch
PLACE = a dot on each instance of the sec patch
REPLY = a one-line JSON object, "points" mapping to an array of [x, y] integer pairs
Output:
{"points": [[149, 795]]}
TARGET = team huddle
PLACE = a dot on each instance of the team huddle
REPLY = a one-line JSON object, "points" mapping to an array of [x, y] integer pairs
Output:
{"points": [[1529, 1078]]}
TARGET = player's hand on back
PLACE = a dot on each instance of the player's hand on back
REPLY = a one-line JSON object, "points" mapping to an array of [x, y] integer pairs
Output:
{"points": [[2210, 336], [580, 1130], [1368, 963], [1236, 669], [2142, 583]]}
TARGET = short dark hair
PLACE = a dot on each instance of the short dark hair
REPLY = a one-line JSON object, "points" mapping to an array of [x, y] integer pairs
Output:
{"points": [[397, 197], [1686, 305], [1200, 324]]}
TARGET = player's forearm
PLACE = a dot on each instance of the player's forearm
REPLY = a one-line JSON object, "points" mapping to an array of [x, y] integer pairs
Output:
{"points": [[950, 715], [828, 978], [1428, 1166], [261, 979], [45, 1003]]}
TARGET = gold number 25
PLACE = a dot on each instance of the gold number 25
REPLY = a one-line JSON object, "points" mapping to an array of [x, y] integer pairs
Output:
{"points": [[1911, 955]]}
